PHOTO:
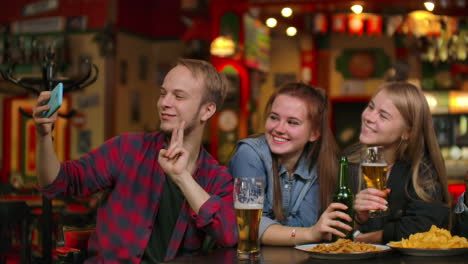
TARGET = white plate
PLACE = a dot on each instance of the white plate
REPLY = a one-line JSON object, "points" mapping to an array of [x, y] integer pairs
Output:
{"points": [[357, 255]]}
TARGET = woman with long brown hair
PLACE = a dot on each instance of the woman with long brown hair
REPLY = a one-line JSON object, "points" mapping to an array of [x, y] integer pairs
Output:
{"points": [[297, 158], [398, 118]]}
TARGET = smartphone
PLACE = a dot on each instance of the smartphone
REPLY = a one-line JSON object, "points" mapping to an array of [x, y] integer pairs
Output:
{"points": [[55, 101]]}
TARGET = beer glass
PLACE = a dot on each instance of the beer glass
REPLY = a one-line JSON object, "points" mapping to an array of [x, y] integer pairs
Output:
{"points": [[248, 202], [374, 170]]}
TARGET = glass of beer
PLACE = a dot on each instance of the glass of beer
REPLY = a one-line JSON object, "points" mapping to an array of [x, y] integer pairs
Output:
{"points": [[374, 170], [248, 202]]}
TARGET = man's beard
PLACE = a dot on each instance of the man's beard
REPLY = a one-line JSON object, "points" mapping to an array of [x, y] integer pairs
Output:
{"points": [[189, 126], [188, 129]]}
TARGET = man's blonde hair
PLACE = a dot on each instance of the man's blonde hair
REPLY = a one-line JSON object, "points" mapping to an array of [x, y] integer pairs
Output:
{"points": [[215, 84]]}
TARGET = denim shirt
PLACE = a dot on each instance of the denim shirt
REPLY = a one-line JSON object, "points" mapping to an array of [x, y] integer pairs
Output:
{"points": [[300, 193]]}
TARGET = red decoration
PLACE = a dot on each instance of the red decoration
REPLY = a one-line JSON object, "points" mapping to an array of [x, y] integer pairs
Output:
{"points": [[339, 23], [434, 29], [356, 24], [452, 25], [374, 25], [309, 66], [320, 23], [362, 65], [198, 30]]}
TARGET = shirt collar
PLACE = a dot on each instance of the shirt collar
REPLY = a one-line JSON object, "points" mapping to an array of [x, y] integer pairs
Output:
{"points": [[302, 169]]}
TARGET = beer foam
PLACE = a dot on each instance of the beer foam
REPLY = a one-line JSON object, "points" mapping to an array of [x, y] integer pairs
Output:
{"points": [[244, 206], [374, 164]]}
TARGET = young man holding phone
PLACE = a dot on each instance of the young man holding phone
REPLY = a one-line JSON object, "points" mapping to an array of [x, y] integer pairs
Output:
{"points": [[168, 195]]}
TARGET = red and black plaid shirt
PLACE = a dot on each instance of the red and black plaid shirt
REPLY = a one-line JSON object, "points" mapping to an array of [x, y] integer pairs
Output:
{"points": [[129, 165]]}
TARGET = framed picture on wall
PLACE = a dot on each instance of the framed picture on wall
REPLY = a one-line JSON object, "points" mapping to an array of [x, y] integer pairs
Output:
{"points": [[19, 141]]}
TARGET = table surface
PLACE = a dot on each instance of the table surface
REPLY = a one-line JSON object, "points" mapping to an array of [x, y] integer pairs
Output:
{"points": [[290, 255]]}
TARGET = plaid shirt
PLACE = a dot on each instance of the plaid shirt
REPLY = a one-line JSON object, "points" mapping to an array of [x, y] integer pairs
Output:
{"points": [[128, 164]]}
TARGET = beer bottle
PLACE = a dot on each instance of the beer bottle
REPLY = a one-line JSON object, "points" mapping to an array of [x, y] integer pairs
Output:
{"points": [[345, 196]]}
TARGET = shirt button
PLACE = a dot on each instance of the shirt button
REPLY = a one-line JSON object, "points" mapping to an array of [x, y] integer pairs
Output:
{"points": [[286, 186], [138, 255], [149, 227]]}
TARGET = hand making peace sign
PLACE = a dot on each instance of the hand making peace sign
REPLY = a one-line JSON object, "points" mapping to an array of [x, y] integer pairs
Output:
{"points": [[174, 159]]}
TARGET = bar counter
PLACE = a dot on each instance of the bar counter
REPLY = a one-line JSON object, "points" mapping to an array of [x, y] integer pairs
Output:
{"points": [[290, 255]]}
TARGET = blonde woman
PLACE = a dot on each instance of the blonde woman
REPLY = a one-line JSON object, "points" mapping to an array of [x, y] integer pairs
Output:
{"points": [[398, 118]]}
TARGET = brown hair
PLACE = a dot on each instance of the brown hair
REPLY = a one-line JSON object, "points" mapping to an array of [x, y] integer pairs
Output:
{"points": [[214, 82], [422, 141], [327, 167]]}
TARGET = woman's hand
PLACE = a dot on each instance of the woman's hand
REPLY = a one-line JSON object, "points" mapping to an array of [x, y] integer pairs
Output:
{"points": [[369, 199], [329, 222], [372, 237]]}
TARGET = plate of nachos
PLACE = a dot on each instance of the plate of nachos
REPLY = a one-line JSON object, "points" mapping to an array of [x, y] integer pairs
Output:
{"points": [[435, 242], [344, 249]]}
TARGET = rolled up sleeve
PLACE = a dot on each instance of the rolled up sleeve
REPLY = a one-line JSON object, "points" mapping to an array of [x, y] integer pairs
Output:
{"points": [[265, 223], [217, 215], [54, 188]]}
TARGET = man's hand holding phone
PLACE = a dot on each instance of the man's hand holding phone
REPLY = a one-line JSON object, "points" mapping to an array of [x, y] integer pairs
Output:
{"points": [[55, 101], [44, 112]]}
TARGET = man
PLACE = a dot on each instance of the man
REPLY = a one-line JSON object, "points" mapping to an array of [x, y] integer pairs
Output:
{"points": [[168, 195], [461, 212]]}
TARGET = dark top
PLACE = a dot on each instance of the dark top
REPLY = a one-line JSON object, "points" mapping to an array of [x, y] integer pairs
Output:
{"points": [[461, 226], [408, 213], [461, 216], [165, 221]]}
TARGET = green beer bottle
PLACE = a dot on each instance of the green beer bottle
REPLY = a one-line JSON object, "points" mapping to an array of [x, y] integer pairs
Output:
{"points": [[345, 196]]}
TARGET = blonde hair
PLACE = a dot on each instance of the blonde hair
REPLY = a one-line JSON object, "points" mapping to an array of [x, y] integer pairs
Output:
{"points": [[422, 141], [323, 151], [215, 84]]}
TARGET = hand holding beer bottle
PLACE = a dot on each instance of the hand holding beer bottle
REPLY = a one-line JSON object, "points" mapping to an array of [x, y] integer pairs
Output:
{"points": [[345, 196]]}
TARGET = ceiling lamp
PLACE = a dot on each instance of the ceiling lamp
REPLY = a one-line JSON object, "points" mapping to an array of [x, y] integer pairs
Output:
{"points": [[291, 31], [222, 47], [357, 9], [429, 5], [271, 22], [286, 12]]}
